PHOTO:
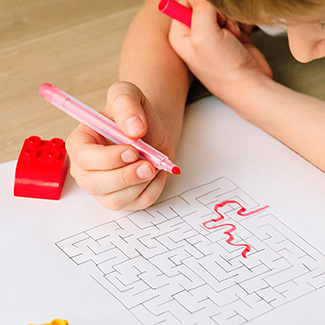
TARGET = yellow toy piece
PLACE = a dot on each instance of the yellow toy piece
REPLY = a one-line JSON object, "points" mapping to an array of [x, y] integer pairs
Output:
{"points": [[56, 322]]}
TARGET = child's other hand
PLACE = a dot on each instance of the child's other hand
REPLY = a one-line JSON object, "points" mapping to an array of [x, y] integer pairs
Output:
{"points": [[217, 56], [113, 174]]}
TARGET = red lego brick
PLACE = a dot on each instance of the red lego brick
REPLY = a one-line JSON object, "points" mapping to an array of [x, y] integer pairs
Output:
{"points": [[41, 168]]}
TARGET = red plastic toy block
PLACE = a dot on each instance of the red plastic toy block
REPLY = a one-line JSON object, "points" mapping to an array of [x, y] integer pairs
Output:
{"points": [[41, 168]]}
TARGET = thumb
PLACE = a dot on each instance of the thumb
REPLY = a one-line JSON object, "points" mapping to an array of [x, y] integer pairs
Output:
{"points": [[124, 105]]}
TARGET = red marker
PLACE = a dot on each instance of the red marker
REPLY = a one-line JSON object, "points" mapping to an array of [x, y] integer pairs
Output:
{"points": [[183, 14], [176, 11]]}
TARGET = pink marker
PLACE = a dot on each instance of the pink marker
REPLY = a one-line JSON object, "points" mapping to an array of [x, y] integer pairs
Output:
{"points": [[104, 126], [176, 11]]}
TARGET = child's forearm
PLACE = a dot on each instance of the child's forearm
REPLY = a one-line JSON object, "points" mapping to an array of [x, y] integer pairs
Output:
{"points": [[295, 119], [149, 62]]}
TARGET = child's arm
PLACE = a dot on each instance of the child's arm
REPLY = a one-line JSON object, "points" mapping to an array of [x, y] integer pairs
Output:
{"points": [[295, 119], [238, 74], [148, 102]]}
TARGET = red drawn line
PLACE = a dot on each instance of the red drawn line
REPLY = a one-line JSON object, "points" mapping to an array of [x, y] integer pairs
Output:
{"points": [[231, 238], [241, 212]]}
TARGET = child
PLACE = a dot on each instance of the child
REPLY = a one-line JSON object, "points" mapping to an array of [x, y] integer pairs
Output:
{"points": [[149, 100]]}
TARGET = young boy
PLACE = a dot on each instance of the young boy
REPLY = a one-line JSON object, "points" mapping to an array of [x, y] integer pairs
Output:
{"points": [[149, 100]]}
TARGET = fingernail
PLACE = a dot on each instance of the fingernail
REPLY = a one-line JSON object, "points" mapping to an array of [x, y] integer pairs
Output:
{"points": [[129, 156], [144, 171], [133, 125]]}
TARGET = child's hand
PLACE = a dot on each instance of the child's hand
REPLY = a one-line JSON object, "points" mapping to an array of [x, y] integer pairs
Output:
{"points": [[217, 56], [113, 174]]}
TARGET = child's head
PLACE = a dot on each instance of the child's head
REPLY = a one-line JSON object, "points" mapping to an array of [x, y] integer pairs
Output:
{"points": [[305, 20], [264, 12]]}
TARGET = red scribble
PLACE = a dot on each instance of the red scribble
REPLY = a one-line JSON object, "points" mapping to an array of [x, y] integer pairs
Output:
{"points": [[231, 238], [241, 212]]}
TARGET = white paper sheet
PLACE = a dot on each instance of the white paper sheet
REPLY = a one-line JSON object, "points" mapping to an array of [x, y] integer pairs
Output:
{"points": [[73, 259]]}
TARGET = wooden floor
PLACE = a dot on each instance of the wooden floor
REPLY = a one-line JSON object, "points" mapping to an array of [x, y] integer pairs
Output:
{"points": [[75, 45]]}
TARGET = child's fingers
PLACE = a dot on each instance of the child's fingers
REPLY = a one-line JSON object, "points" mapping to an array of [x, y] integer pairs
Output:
{"points": [[106, 182], [136, 197], [180, 31], [125, 104], [204, 20], [97, 157], [233, 27], [87, 154], [121, 199], [151, 193]]}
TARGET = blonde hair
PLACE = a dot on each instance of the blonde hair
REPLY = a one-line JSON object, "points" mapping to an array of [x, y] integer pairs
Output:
{"points": [[265, 12]]}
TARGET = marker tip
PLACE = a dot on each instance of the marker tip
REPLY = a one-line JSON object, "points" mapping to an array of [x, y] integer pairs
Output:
{"points": [[176, 170]]}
